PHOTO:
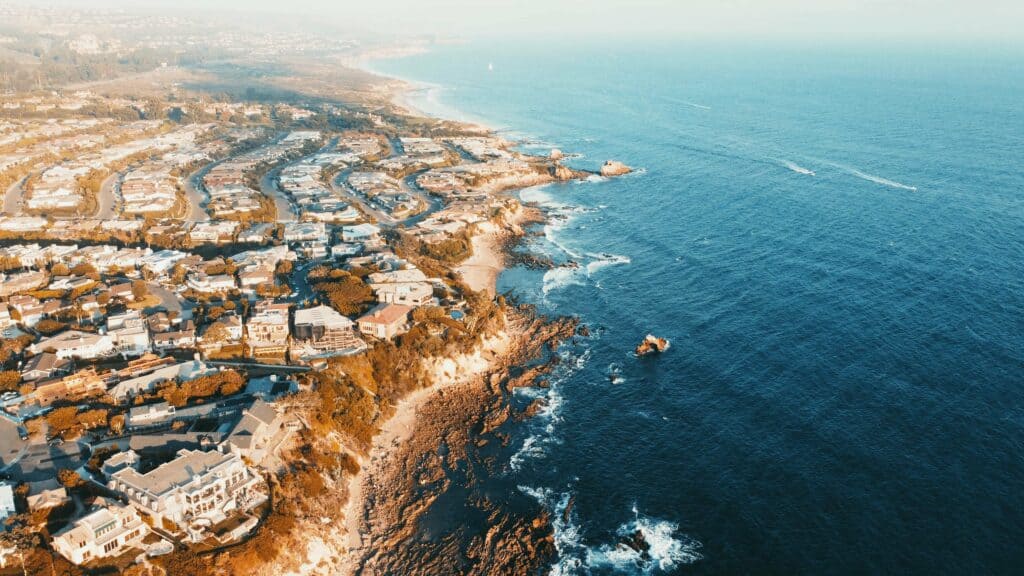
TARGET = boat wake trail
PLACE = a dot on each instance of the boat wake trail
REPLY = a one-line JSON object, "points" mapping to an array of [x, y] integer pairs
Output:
{"points": [[877, 179], [688, 103], [797, 168]]}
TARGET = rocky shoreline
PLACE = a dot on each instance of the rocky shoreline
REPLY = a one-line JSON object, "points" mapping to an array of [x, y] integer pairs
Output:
{"points": [[418, 509]]}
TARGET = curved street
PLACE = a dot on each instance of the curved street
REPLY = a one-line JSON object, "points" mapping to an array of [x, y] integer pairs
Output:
{"points": [[106, 200], [13, 197], [194, 194]]}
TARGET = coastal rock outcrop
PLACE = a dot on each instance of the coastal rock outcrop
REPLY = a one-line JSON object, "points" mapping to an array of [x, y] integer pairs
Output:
{"points": [[562, 172], [556, 154], [652, 344], [614, 168]]}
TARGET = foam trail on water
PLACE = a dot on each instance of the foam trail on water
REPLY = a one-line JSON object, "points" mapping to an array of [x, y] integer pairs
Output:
{"points": [[876, 179], [797, 168], [688, 103]]}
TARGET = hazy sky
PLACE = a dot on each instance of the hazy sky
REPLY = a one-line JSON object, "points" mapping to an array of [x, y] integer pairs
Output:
{"points": [[842, 20]]}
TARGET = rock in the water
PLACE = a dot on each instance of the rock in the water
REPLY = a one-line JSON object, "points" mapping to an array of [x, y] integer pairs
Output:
{"points": [[614, 168], [637, 542], [652, 344], [556, 154], [562, 172]]}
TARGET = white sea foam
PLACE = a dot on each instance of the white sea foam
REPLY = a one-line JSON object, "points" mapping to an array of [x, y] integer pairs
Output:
{"points": [[545, 422], [560, 277], [604, 260], [568, 538], [873, 178], [615, 373], [668, 549], [797, 168], [880, 180]]}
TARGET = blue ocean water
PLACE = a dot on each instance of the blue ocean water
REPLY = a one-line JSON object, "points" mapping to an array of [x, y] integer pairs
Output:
{"points": [[833, 240]]}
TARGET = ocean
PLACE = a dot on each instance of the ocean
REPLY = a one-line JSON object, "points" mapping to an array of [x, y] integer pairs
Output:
{"points": [[833, 241]]}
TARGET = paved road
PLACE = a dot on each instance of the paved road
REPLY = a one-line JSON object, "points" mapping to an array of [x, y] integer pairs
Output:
{"points": [[110, 189], [12, 447], [269, 187], [13, 196], [196, 196]]}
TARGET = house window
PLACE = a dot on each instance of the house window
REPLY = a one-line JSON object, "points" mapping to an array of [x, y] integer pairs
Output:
{"points": [[109, 546]]}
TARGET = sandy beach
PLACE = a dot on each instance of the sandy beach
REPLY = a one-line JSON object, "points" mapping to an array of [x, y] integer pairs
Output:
{"points": [[480, 271]]}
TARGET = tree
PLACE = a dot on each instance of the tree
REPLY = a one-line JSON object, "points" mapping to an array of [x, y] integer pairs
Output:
{"points": [[9, 380], [140, 289], [117, 424], [346, 293], [62, 420], [60, 269], [92, 418], [87, 270], [217, 333], [69, 478], [47, 326]]}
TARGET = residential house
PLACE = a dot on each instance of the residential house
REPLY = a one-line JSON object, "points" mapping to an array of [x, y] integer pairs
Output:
{"points": [[122, 291], [76, 344], [7, 507], [109, 530], [182, 339], [49, 498], [251, 435], [267, 329], [253, 276], [407, 293], [201, 282], [305, 232], [145, 383], [385, 321], [324, 330], [44, 366], [14, 283], [194, 486], [149, 416], [359, 233], [71, 388]]}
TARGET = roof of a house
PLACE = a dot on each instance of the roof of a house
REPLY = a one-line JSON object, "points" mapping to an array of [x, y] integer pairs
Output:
{"points": [[386, 314], [321, 316], [176, 473]]}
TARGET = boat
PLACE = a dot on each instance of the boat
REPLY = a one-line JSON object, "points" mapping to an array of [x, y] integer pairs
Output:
{"points": [[652, 344]]}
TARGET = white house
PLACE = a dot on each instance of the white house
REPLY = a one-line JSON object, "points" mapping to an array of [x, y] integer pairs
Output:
{"points": [[359, 233], [76, 344], [109, 530], [196, 488], [217, 283], [6, 501]]}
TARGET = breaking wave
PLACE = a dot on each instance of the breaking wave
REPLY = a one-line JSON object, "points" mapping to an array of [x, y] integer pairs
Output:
{"points": [[604, 260], [664, 549], [560, 277]]}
